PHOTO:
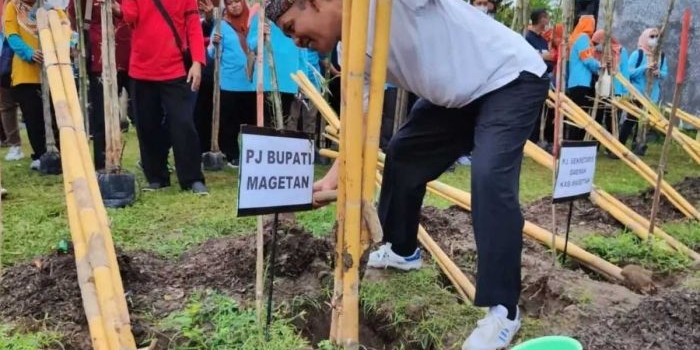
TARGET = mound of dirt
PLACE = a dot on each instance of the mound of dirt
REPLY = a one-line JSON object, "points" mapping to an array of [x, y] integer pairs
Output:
{"points": [[45, 291], [664, 322], [586, 217]]}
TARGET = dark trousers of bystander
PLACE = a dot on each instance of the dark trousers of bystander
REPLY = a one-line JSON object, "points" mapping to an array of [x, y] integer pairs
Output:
{"points": [[582, 96], [97, 114], [28, 96], [237, 108]]}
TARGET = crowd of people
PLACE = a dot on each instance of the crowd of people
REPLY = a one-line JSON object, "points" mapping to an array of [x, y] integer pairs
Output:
{"points": [[165, 55], [587, 63]]}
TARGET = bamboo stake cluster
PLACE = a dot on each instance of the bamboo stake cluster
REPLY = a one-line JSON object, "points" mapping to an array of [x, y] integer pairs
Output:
{"points": [[686, 117], [100, 284], [572, 111]]}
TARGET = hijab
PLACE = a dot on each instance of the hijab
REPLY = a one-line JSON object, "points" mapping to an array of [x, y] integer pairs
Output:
{"points": [[240, 24], [599, 37], [643, 42], [585, 26], [26, 16]]}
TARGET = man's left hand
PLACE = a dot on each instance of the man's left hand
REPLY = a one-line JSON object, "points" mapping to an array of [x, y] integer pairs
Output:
{"points": [[194, 76]]}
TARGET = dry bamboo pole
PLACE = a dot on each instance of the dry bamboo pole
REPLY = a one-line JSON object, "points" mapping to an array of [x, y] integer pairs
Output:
{"points": [[607, 60], [680, 78], [260, 118], [278, 114], [60, 27], [109, 89], [655, 58], [622, 213], [691, 146], [380, 57], [582, 119], [336, 333], [88, 282], [317, 99], [355, 67], [694, 121]]}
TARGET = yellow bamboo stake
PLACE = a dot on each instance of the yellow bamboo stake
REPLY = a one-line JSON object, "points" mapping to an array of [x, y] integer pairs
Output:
{"points": [[694, 121], [355, 66], [336, 332], [380, 57]]}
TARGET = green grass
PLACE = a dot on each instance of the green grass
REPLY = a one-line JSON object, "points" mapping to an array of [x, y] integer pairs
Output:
{"points": [[687, 232], [27, 341], [626, 248], [214, 321]]}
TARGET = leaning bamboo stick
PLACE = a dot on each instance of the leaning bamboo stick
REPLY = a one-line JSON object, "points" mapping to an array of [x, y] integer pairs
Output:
{"points": [[260, 118], [694, 121], [59, 29], [316, 98], [85, 277], [380, 57], [581, 118]]}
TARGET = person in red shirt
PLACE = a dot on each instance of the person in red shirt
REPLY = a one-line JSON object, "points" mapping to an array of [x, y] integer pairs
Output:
{"points": [[164, 87], [122, 43]]}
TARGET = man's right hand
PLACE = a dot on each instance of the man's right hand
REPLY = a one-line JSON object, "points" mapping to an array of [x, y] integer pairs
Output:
{"points": [[216, 38]]}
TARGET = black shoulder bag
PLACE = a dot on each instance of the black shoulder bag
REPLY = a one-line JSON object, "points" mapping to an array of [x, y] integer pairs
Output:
{"points": [[185, 52]]}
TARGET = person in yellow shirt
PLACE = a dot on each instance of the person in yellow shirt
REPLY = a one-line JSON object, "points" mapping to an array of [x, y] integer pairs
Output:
{"points": [[22, 35]]}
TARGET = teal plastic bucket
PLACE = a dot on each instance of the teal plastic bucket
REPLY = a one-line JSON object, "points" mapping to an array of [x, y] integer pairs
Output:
{"points": [[550, 343]]}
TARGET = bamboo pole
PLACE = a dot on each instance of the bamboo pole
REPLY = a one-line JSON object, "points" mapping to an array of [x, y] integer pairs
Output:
{"points": [[355, 66], [275, 93], [59, 30], [260, 118], [607, 61], [582, 119], [109, 89], [694, 121], [680, 77], [380, 57], [337, 303], [642, 127]]}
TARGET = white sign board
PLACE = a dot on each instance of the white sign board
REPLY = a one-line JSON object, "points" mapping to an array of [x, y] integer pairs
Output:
{"points": [[576, 171], [276, 171]]}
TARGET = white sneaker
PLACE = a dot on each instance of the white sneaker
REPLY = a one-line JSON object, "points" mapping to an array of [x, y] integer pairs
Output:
{"points": [[15, 153], [35, 164], [464, 160], [384, 257], [493, 332]]}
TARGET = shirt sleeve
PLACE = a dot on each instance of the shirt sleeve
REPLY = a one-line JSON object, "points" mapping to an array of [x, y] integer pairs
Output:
{"points": [[194, 33]]}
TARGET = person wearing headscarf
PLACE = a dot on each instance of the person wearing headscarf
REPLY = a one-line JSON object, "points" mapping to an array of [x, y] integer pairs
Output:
{"points": [[615, 64], [9, 133], [238, 103], [22, 35], [582, 67], [481, 87], [642, 64]]}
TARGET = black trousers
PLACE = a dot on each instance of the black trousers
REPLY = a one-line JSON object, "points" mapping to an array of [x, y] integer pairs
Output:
{"points": [[494, 128], [237, 108], [582, 96], [28, 96], [269, 110], [203, 113], [157, 133], [97, 114], [388, 116]]}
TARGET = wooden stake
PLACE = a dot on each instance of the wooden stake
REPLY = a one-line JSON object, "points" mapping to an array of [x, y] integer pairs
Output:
{"points": [[680, 77], [109, 89], [216, 103], [259, 239], [83, 82]]}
